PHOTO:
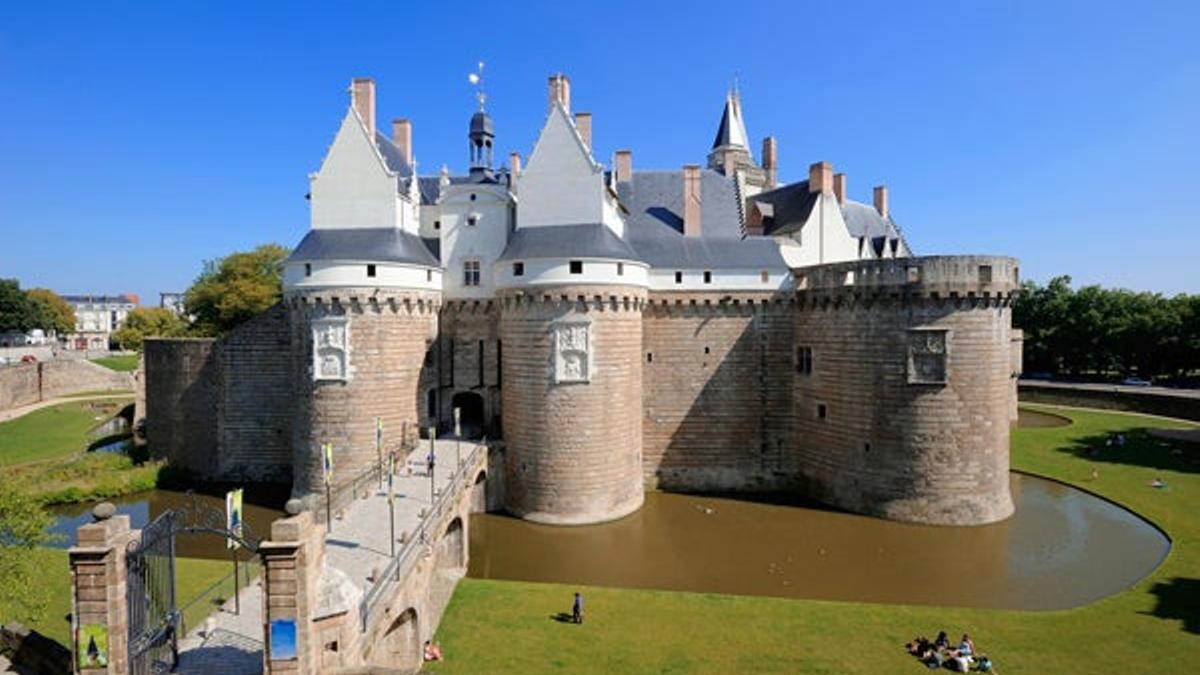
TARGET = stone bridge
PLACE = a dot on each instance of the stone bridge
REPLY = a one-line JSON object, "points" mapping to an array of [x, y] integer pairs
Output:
{"points": [[353, 602]]}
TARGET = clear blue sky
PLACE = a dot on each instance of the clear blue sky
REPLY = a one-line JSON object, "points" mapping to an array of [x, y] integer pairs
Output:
{"points": [[138, 141]]}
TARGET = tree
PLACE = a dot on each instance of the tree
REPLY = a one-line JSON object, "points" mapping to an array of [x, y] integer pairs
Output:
{"points": [[236, 288], [54, 312], [17, 311], [145, 322], [23, 524]]}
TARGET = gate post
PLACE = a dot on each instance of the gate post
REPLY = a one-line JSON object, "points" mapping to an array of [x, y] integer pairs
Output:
{"points": [[100, 608], [292, 562]]}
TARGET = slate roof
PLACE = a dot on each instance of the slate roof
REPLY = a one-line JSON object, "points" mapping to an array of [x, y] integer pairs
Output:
{"points": [[654, 226], [429, 186], [590, 240], [864, 221], [374, 244], [392, 155], [732, 130], [786, 208]]}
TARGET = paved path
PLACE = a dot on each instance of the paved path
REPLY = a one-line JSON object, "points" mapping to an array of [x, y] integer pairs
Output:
{"points": [[357, 547], [13, 413]]}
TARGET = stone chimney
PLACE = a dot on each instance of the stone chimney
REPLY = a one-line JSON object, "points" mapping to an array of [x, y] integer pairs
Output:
{"points": [[402, 138], [560, 91], [362, 96], [881, 200], [839, 187], [691, 200], [770, 160], [514, 169], [820, 177], [583, 122], [623, 166]]}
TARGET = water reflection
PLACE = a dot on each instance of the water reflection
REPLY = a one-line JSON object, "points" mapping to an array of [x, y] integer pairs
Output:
{"points": [[1063, 548]]}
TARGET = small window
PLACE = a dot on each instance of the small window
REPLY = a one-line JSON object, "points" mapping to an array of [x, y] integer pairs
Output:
{"points": [[804, 360], [985, 274], [649, 357], [518, 269], [620, 269], [308, 269], [821, 411], [472, 196], [437, 224], [471, 220], [428, 275], [766, 276], [370, 270], [576, 267], [706, 349], [679, 277], [470, 273], [866, 447], [431, 403], [707, 277]]}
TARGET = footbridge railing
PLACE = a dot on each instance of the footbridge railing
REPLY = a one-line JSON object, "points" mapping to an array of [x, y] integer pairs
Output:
{"points": [[408, 554]]}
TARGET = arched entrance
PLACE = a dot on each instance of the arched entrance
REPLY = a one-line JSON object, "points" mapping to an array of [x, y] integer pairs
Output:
{"points": [[402, 642], [470, 407]]}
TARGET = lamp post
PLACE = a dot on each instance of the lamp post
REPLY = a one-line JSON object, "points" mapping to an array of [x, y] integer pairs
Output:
{"points": [[457, 440], [432, 463]]}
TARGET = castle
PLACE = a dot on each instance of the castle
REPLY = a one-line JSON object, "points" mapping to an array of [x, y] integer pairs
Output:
{"points": [[699, 328]]}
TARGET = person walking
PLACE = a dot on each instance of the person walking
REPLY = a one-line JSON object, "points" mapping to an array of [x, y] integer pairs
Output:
{"points": [[577, 609]]}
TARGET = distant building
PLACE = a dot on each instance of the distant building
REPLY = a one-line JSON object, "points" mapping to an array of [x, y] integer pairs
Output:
{"points": [[96, 318], [172, 301]]}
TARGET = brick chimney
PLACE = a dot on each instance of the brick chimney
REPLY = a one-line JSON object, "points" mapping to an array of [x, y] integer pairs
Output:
{"points": [[560, 91], [402, 138], [770, 160], [839, 187], [514, 162], [583, 122], [820, 177], [362, 96], [881, 200], [623, 166], [691, 200]]}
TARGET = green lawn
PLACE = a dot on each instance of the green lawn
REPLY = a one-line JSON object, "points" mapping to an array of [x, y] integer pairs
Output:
{"points": [[125, 363], [192, 577], [54, 432], [507, 627]]}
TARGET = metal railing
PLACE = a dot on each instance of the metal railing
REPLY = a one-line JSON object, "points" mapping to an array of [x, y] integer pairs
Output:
{"points": [[406, 557]]}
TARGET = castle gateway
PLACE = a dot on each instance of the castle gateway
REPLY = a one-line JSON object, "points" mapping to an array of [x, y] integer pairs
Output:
{"points": [[698, 328]]}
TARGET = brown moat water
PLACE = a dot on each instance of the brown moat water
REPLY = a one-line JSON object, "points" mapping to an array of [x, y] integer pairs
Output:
{"points": [[1035, 419], [1062, 548]]}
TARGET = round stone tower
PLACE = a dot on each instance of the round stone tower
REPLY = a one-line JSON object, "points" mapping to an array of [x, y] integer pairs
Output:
{"points": [[572, 401], [361, 332], [902, 385]]}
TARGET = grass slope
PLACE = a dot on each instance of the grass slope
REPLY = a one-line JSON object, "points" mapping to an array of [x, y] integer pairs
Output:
{"points": [[126, 363], [50, 433], [508, 627], [192, 578]]}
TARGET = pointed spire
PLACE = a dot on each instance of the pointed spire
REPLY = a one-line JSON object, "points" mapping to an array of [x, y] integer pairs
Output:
{"points": [[732, 131]]}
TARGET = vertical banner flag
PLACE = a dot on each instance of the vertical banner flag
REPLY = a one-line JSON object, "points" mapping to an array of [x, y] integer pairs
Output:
{"points": [[233, 516], [378, 433], [432, 435], [457, 426], [327, 464]]}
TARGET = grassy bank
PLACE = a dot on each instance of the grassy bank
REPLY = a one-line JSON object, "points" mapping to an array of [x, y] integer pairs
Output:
{"points": [[193, 577], [508, 627], [54, 432], [125, 363]]}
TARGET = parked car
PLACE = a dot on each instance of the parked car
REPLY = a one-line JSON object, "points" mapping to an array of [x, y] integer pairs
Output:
{"points": [[1135, 382], [29, 358]]}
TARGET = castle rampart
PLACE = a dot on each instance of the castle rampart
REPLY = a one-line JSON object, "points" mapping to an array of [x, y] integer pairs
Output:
{"points": [[902, 387], [572, 402]]}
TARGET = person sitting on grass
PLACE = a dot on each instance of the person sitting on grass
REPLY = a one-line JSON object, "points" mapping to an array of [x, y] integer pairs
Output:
{"points": [[432, 651], [942, 641], [919, 646]]}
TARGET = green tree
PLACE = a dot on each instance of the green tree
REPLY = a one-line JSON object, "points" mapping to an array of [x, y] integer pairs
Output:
{"points": [[17, 311], [23, 524], [145, 322], [54, 312], [236, 288]]}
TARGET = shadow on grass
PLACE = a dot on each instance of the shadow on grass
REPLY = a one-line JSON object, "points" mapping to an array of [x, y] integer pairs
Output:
{"points": [[1179, 599], [1140, 449], [563, 617]]}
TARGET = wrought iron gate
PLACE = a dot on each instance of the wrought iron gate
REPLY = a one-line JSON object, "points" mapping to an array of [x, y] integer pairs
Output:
{"points": [[153, 618]]}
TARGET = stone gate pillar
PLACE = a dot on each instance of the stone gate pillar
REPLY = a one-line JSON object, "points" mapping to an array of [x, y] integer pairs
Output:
{"points": [[292, 562], [100, 617]]}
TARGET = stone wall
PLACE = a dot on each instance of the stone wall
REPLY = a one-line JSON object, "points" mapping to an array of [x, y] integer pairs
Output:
{"points": [[470, 357], [1181, 404], [716, 401], [389, 334], [25, 383], [572, 402], [181, 403], [903, 387]]}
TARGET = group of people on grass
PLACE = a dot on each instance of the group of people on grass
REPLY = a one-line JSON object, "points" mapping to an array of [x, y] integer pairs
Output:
{"points": [[939, 654]]}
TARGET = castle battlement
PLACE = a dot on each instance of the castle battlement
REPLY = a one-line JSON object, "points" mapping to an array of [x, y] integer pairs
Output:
{"points": [[943, 276]]}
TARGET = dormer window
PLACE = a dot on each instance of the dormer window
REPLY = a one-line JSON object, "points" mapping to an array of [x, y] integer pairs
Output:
{"points": [[620, 269], [308, 269], [518, 269], [472, 196], [766, 276], [437, 224], [471, 220], [370, 270], [576, 267]]}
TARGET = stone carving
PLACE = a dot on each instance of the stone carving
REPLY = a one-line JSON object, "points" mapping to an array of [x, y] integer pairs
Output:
{"points": [[927, 349], [331, 348], [572, 351]]}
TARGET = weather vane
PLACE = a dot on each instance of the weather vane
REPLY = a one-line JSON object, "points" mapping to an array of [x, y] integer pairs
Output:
{"points": [[476, 78]]}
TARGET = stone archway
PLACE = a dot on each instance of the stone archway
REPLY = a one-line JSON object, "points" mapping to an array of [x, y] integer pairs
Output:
{"points": [[452, 553], [402, 642], [470, 406], [479, 496]]}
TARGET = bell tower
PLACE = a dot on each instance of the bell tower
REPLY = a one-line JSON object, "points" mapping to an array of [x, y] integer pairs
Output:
{"points": [[482, 134]]}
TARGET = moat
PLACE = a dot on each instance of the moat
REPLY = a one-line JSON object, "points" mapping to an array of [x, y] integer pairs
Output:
{"points": [[1062, 548]]}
